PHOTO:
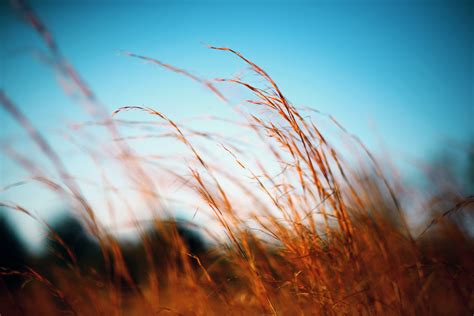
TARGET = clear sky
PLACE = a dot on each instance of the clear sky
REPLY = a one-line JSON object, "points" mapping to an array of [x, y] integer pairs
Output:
{"points": [[399, 72]]}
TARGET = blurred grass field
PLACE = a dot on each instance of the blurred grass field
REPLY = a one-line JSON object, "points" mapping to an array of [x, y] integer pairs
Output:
{"points": [[323, 229]]}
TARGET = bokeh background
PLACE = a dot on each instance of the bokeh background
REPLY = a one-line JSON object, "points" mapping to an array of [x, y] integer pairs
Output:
{"points": [[399, 74]]}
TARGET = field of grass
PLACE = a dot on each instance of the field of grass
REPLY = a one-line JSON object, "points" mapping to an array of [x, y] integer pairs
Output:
{"points": [[328, 231]]}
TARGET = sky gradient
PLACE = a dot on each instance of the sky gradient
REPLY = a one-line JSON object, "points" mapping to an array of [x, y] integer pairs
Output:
{"points": [[398, 73], [406, 66]]}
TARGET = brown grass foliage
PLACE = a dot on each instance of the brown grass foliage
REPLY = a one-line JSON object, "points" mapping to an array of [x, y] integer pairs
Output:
{"points": [[323, 237]]}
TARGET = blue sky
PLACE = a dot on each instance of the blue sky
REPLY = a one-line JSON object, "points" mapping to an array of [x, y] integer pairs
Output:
{"points": [[406, 66], [396, 72]]}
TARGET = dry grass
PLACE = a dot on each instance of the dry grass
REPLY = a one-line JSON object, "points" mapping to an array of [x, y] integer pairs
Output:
{"points": [[324, 237]]}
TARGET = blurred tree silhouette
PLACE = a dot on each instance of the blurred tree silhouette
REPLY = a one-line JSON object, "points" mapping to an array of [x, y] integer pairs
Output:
{"points": [[13, 254], [163, 239], [470, 169], [74, 240], [13, 257], [452, 179], [71, 242]]}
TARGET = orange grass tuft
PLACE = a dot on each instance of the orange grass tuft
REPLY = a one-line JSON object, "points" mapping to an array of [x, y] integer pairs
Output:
{"points": [[324, 237]]}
